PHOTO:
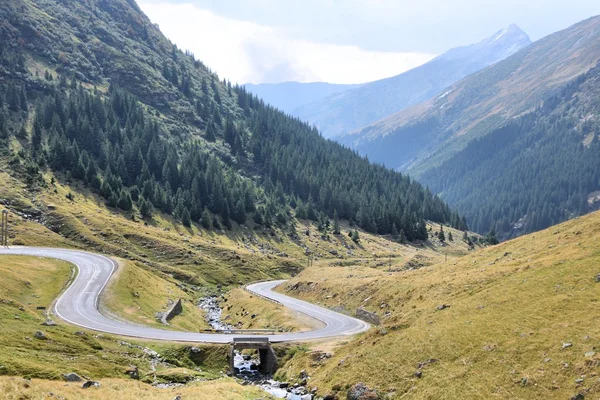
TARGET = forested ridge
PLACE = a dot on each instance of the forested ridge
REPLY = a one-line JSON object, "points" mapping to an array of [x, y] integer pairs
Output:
{"points": [[148, 126], [536, 171]]}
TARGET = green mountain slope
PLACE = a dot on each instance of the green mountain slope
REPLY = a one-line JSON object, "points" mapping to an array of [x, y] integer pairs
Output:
{"points": [[538, 170], [93, 90]]}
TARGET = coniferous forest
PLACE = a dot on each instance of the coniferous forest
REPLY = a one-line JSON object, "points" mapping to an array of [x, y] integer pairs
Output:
{"points": [[536, 171], [157, 130]]}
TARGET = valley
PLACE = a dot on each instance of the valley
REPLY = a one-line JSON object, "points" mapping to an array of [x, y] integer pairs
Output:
{"points": [[173, 234]]}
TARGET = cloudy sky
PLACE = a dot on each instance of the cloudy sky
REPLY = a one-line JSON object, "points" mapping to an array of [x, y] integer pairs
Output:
{"points": [[344, 41]]}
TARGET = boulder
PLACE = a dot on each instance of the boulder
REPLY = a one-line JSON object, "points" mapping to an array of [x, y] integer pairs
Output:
{"points": [[89, 384], [49, 322], [360, 391], [40, 335], [72, 377], [133, 372]]}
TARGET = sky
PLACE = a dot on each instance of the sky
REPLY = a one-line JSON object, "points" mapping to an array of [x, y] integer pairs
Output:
{"points": [[344, 41]]}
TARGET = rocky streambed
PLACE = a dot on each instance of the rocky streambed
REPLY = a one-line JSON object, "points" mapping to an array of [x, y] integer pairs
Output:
{"points": [[213, 313], [246, 366]]}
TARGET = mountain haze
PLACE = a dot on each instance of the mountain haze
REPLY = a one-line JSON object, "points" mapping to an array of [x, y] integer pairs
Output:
{"points": [[288, 96], [422, 136], [513, 146], [342, 113]]}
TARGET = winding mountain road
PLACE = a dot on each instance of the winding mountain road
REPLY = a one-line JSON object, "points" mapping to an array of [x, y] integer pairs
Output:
{"points": [[78, 304]]}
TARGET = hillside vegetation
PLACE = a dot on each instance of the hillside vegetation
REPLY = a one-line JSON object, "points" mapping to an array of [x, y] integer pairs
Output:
{"points": [[113, 104], [513, 321], [538, 170], [511, 146]]}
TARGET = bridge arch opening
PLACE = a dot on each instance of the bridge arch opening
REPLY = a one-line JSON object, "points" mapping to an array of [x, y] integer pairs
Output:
{"points": [[267, 359]]}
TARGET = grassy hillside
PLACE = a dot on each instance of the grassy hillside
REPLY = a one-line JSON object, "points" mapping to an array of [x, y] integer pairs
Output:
{"points": [[224, 389], [518, 321]]}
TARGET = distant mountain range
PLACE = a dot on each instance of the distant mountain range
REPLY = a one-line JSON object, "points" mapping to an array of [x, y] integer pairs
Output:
{"points": [[288, 96], [513, 146], [346, 108]]}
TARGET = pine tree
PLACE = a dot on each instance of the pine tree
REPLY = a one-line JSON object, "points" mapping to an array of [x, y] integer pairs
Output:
{"points": [[145, 208], [450, 237], [355, 236], [186, 219], [125, 202], [491, 238], [402, 237], [394, 231], [36, 138], [441, 235], [206, 219], [336, 223]]}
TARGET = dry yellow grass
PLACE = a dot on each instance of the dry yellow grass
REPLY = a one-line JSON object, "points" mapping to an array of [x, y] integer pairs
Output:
{"points": [[15, 388], [240, 307], [512, 307]]}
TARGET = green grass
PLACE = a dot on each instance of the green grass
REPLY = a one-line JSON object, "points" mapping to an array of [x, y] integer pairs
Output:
{"points": [[136, 294]]}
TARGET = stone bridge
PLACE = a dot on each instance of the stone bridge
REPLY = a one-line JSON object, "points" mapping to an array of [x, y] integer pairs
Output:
{"points": [[268, 358]]}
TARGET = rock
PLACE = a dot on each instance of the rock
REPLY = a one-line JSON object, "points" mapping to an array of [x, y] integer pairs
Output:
{"points": [[579, 380], [40, 335], [361, 392], [133, 372], [283, 385], [418, 373], [567, 345], [89, 384], [178, 397], [443, 307], [578, 396], [195, 350], [303, 374], [306, 397], [49, 322], [590, 354], [246, 357], [330, 397], [72, 377], [80, 333], [598, 278]]}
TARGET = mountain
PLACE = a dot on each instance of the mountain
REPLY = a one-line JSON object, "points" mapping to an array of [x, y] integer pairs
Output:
{"points": [[342, 113], [420, 136], [94, 92], [514, 145], [288, 96]]}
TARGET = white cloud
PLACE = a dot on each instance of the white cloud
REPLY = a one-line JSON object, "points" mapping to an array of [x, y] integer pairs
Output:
{"points": [[246, 52]]}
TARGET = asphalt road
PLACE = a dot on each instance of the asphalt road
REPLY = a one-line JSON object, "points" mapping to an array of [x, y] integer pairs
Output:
{"points": [[78, 304]]}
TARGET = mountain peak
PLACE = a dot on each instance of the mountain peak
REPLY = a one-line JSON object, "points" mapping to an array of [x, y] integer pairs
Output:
{"points": [[513, 31]]}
